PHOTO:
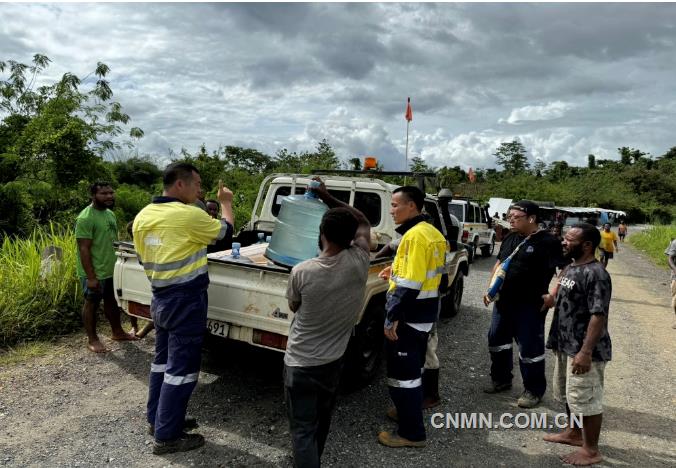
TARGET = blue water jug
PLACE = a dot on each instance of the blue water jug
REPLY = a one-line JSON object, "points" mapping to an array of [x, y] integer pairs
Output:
{"points": [[296, 233]]}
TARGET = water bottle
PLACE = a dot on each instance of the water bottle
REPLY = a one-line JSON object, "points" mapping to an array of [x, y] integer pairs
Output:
{"points": [[296, 234], [235, 250]]}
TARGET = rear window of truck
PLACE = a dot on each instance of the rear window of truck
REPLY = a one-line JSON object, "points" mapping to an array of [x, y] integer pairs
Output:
{"points": [[368, 203]]}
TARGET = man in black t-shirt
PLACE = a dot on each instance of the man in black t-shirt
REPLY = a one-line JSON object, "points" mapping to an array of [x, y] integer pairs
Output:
{"points": [[581, 344], [522, 305]]}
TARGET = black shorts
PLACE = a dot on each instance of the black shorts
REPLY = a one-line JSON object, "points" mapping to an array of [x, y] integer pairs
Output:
{"points": [[606, 254], [105, 293]]}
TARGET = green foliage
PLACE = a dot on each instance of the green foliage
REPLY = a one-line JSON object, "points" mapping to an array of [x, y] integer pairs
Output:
{"points": [[137, 171], [418, 164], [57, 133], [654, 241], [512, 157], [34, 303], [249, 159], [15, 210], [323, 158], [129, 200]]}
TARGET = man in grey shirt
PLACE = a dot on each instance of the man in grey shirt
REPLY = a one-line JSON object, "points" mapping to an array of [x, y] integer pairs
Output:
{"points": [[326, 294]]}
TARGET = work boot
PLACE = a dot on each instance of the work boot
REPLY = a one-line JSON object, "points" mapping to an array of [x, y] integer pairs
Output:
{"points": [[190, 424], [430, 385], [389, 439], [528, 400], [184, 443], [496, 387]]}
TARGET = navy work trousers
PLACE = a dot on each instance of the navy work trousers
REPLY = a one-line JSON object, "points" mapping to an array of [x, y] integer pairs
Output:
{"points": [[405, 361], [524, 323], [310, 394], [180, 323]]}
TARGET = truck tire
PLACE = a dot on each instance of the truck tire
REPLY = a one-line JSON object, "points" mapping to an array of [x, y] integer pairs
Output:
{"points": [[450, 305], [365, 349], [487, 250]]}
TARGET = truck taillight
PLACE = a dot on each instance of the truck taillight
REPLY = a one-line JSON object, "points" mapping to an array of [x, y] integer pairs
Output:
{"points": [[272, 340], [465, 235], [140, 310]]}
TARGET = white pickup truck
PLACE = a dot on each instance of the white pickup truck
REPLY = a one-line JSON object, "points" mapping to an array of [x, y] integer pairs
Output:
{"points": [[247, 299]]}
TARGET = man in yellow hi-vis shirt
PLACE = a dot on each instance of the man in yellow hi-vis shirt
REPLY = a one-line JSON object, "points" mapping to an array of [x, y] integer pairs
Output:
{"points": [[608, 244], [171, 237], [412, 309]]}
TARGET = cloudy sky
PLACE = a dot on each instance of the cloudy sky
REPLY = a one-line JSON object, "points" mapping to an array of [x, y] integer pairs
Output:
{"points": [[565, 79]]}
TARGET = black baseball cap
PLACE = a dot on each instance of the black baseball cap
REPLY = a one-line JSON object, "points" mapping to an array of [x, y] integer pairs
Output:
{"points": [[527, 206]]}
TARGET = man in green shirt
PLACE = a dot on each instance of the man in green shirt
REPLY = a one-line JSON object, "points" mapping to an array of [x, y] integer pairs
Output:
{"points": [[95, 231]]}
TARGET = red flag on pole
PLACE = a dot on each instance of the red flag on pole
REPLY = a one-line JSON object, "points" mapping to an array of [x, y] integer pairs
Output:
{"points": [[409, 111], [471, 175]]}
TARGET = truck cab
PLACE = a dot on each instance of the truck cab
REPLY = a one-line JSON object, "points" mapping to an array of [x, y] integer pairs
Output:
{"points": [[247, 299]]}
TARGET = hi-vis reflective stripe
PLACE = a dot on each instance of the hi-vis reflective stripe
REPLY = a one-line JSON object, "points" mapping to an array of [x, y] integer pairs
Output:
{"points": [[428, 294], [177, 264], [223, 231], [404, 283], [158, 368], [180, 379], [404, 383], [161, 283], [503, 347], [532, 360], [432, 273]]}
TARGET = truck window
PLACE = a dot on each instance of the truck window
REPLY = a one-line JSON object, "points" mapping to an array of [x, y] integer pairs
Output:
{"points": [[480, 216], [280, 194], [470, 213], [456, 210], [433, 212], [342, 195], [369, 204]]}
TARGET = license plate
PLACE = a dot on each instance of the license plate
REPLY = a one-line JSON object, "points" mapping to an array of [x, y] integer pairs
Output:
{"points": [[218, 328]]}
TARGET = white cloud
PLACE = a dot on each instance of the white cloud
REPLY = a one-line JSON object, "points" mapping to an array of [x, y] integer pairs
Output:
{"points": [[549, 111], [567, 80]]}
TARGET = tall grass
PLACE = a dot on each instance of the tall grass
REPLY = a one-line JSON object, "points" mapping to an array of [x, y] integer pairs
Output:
{"points": [[33, 303], [654, 241]]}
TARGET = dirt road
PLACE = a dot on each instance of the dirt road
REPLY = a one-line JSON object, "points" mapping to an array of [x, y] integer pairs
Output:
{"points": [[74, 408]]}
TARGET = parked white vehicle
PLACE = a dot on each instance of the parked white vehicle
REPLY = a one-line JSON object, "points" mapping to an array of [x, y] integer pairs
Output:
{"points": [[247, 300], [477, 229]]}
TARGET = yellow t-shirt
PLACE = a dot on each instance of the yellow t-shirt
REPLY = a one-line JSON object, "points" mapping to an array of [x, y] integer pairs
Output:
{"points": [[607, 239]]}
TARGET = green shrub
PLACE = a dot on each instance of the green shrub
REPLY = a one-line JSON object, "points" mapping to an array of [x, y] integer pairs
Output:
{"points": [[34, 304], [129, 200], [654, 241]]}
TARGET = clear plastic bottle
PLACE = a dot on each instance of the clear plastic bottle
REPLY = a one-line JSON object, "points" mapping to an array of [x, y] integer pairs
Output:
{"points": [[296, 235]]}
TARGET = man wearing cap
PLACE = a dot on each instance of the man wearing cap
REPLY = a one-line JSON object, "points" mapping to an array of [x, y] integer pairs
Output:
{"points": [[520, 310]]}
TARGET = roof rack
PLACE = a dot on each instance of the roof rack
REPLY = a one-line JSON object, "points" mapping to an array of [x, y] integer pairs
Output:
{"points": [[419, 176]]}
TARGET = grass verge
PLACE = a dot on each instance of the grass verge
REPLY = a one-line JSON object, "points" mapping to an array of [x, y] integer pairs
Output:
{"points": [[654, 241], [40, 296]]}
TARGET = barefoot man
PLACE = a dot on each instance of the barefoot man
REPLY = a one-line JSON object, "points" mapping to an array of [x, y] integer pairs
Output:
{"points": [[95, 231], [581, 344]]}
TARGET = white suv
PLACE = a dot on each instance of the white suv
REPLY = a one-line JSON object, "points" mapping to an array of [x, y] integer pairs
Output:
{"points": [[477, 231]]}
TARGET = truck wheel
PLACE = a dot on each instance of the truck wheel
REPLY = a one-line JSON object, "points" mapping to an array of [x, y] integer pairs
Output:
{"points": [[365, 349], [487, 250], [451, 302]]}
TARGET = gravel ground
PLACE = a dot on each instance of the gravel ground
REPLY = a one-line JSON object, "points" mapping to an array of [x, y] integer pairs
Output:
{"points": [[74, 408]]}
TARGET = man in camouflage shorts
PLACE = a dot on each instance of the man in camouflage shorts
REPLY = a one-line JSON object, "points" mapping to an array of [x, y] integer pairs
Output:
{"points": [[580, 340]]}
